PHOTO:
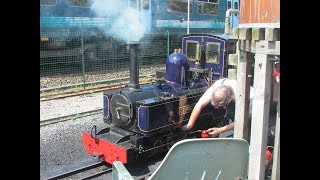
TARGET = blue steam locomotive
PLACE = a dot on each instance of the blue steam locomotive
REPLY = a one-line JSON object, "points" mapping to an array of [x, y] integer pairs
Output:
{"points": [[145, 120], [69, 24]]}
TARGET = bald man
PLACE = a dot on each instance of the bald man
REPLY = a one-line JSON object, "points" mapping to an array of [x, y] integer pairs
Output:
{"points": [[220, 95]]}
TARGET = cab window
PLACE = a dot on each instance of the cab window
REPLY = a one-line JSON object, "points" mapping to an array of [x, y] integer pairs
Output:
{"points": [[213, 53], [191, 49]]}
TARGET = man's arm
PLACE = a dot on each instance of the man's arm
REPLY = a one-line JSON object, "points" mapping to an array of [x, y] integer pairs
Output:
{"points": [[214, 132], [203, 102]]}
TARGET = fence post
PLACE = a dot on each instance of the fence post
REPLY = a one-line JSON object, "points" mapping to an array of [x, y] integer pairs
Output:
{"points": [[83, 64]]}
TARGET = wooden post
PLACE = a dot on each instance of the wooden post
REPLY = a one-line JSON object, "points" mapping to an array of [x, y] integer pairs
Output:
{"points": [[276, 151], [260, 117], [242, 96]]}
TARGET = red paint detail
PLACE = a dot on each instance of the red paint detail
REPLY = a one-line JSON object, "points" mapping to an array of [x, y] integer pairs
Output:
{"points": [[268, 154], [275, 72], [268, 157], [276, 75], [109, 152], [204, 134]]}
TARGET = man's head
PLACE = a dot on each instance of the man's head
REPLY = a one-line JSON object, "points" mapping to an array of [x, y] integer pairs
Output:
{"points": [[222, 96]]}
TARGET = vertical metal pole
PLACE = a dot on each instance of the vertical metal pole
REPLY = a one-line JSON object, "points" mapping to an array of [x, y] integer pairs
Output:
{"points": [[188, 16], [276, 151], [83, 64], [168, 42]]}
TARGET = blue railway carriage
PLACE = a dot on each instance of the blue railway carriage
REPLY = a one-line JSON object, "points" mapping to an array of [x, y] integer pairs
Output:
{"points": [[73, 28], [68, 28], [206, 16], [155, 15]]}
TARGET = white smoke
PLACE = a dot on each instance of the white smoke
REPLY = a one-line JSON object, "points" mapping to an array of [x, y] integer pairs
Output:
{"points": [[126, 23], [106, 8], [128, 26]]}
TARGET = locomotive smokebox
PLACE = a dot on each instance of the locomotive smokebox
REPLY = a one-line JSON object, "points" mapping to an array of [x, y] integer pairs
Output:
{"points": [[134, 65]]}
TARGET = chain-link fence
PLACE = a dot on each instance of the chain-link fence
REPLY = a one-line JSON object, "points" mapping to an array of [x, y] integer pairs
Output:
{"points": [[79, 59]]}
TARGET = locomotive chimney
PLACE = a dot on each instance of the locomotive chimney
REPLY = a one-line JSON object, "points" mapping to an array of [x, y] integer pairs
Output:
{"points": [[134, 65]]}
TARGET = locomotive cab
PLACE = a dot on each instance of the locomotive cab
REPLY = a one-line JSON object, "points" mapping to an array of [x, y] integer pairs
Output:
{"points": [[208, 56], [209, 53]]}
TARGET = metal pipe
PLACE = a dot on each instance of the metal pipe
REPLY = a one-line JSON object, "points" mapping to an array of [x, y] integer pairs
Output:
{"points": [[188, 17], [134, 65], [198, 51], [83, 63], [227, 20], [168, 43]]}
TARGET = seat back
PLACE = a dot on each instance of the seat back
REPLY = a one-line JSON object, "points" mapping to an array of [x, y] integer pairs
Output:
{"points": [[210, 158], [199, 159]]}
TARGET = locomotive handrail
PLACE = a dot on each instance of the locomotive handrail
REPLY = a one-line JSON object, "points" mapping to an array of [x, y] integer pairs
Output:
{"points": [[95, 133]]}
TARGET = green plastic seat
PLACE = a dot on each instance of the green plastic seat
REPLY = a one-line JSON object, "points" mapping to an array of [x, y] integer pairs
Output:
{"points": [[193, 159]]}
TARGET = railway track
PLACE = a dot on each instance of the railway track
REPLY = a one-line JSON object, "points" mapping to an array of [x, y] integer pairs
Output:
{"points": [[90, 90], [93, 170], [97, 169], [81, 92], [70, 117]]}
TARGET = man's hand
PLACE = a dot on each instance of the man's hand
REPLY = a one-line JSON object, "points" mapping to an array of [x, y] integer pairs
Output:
{"points": [[186, 127], [170, 119], [178, 124], [213, 132]]}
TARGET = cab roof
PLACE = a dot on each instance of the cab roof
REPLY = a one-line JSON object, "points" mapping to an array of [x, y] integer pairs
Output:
{"points": [[220, 36]]}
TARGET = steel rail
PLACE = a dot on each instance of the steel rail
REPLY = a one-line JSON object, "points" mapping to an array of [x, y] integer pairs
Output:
{"points": [[79, 170], [70, 117], [104, 171], [81, 92], [90, 90]]}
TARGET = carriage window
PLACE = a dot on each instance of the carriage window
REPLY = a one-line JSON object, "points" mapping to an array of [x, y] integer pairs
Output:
{"points": [[79, 3], [213, 53], [146, 4], [48, 2], [236, 5], [191, 49], [229, 5], [208, 7], [179, 6], [133, 4]]}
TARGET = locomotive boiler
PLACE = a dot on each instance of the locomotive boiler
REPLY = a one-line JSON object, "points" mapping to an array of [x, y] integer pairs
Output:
{"points": [[145, 120]]}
